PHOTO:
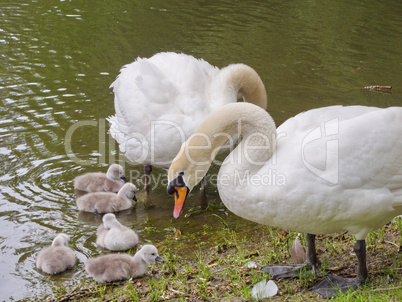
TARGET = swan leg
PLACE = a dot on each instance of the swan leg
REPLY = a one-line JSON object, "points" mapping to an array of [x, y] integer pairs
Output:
{"points": [[333, 285], [360, 250], [147, 180], [204, 202], [311, 254]]}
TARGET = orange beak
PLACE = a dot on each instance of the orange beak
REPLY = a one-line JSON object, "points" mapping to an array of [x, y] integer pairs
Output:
{"points": [[180, 196]]}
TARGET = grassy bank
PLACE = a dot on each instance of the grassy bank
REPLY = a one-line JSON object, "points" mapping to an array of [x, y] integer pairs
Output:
{"points": [[212, 265]]}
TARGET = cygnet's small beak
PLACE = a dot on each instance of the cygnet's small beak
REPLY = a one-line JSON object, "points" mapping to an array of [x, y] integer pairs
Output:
{"points": [[135, 198], [159, 259], [123, 178]]}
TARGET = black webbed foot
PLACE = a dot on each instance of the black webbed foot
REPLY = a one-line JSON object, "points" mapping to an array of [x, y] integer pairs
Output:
{"points": [[333, 285]]}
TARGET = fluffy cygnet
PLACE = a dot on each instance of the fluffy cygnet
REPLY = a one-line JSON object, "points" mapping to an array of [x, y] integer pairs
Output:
{"points": [[112, 181], [56, 258], [114, 236], [115, 267], [107, 202]]}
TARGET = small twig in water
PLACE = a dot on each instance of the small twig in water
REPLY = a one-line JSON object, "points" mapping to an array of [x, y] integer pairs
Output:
{"points": [[377, 87]]}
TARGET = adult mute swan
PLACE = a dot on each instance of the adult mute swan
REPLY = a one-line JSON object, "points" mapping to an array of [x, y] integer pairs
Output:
{"points": [[327, 170], [112, 181], [160, 101], [56, 258], [116, 267]]}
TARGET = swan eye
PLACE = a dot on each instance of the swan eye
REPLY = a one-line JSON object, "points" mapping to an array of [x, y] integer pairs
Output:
{"points": [[177, 182], [180, 180]]}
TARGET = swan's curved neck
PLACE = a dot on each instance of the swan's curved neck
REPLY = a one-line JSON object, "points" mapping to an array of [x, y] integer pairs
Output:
{"points": [[58, 242], [111, 175], [256, 128], [239, 81], [122, 194], [140, 260], [113, 224]]}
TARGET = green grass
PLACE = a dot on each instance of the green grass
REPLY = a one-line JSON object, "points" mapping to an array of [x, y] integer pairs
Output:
{"points": [[211, 265]]}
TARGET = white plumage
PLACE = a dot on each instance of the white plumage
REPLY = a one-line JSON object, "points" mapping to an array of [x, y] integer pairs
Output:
{"points": [[56, 258], [112, 181], [114, 236], [116, 267], [160, 101], [107, 202], [323, 171]]}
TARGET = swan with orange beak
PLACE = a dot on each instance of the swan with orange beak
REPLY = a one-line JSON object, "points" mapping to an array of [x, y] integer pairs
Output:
{"points": [[360, 191], [180, 183], [195, 158]]}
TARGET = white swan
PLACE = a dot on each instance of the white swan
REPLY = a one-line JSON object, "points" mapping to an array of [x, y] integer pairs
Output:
{"points": [[116, 267], [107, 202], [114, 236], [56, 258], [326, 170], [112, 181], [160, 101]]}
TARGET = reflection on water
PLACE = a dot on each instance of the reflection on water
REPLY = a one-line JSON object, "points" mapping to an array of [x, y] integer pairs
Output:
{"points": [[59, 58]]}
